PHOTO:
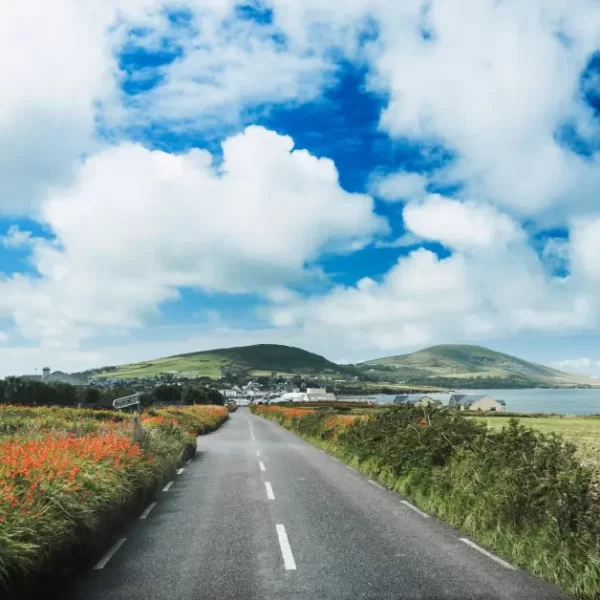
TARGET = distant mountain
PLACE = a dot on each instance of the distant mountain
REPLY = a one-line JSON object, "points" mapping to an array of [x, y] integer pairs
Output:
{"points": [[259, 359], [449, 366], [463, 363]]}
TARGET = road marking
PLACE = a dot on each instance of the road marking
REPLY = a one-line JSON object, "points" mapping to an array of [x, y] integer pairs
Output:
{"points": [[349, 467], [261, 464], [167, 487], [147, 511], [376, 484], [104, 560], [337, 460], [180, 471], [488, 554], [409, 505], [270, 494], [257, 453], [189, 461], [286, 551]]}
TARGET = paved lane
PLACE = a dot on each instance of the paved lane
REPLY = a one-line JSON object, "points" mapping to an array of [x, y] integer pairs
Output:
{"points": [[260, 514]]}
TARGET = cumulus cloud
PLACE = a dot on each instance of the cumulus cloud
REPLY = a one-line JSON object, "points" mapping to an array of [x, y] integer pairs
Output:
{"points": [[137, 225], [467, 296], [400, 186], [460, 225]]}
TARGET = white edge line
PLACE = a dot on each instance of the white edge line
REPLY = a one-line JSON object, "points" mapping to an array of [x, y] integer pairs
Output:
{"points": [[376, 484], [288, 558], [412, 507], [270, 494], [337, 460], [488, 554], [189, 461], [261, 464], [352, 469], [168, 486], [104, 560], [180, 471], [147, 511]]}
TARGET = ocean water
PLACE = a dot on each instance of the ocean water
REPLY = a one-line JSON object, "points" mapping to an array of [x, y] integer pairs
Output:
{"points": [[563, 402]]}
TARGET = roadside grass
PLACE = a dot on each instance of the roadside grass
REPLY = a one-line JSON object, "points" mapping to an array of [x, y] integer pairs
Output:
{"points": [[65, 471], [521, 493], [584, 432]]}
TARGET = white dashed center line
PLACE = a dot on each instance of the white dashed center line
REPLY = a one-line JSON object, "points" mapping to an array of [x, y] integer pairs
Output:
{"points": [[180, 471], [286, 551], [261, 464], [145, 514], [168, 486], [270, 494], [104, 560]]}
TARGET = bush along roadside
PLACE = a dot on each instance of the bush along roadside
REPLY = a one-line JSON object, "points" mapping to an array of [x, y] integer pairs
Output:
{"points": [[66, 476], [523, 494]]}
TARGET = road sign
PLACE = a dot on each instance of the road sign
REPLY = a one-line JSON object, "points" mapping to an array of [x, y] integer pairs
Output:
{"points": [[126, 401]]}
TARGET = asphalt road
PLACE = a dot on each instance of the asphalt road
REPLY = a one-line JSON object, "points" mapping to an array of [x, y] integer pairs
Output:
{"points": [[318, 531]]}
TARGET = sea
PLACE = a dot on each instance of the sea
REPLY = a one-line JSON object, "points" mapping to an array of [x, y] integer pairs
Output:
{"points": [[557, 401]]}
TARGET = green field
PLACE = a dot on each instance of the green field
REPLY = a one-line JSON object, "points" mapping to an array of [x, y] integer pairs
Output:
{"points": [[200, 365], [582, 431]]}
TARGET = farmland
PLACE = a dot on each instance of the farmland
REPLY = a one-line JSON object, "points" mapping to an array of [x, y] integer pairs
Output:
{"points": [[523, 494], [66, 472]]}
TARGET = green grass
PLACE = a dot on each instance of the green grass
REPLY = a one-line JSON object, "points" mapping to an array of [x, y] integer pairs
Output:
{"points": [[201, 365], [582, 431]]}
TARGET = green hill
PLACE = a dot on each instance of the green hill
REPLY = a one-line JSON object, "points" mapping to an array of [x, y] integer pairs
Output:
{"points": [[468, 363], [254, 360]]}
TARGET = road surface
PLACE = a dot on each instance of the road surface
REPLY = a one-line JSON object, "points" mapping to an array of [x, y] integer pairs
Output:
{"points": [[260, 514]]}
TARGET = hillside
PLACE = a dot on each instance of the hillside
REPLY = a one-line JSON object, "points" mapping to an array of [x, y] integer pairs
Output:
{"points": [[466, 363], [259, 359]]}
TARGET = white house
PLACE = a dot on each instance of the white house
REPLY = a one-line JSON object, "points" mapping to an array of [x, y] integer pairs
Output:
{"points": [[416, 400], [476, 402]]}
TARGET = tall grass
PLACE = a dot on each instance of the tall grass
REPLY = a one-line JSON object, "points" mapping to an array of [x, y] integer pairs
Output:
{"points": [[63, 471], [522, 493]]}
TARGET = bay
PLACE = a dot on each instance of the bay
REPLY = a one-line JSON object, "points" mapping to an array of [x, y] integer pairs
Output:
{"points": [[558, 401]]}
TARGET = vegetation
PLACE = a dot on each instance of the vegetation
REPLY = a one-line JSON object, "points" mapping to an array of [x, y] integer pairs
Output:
{"points": [[65, 471], [584, 432], [522, 493]]}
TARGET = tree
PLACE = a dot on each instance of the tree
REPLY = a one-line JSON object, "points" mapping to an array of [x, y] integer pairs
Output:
{"points": [[193, 395], [167, 394]]}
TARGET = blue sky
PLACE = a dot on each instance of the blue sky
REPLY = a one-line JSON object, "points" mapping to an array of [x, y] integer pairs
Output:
{"points": [[356, 180]]}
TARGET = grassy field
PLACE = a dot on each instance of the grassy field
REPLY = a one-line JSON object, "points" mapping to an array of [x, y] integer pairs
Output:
{"points": [[582, 431], [201, 365], [65, 472]]}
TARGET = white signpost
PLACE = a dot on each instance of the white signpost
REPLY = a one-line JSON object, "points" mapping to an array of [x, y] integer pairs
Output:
{"points": [[133, 400], [126, 401]]}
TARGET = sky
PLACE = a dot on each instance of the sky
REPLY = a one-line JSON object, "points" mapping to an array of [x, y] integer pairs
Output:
{"points": [[359, 178]]}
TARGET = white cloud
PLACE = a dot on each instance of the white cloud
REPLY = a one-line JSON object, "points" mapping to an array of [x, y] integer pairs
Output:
{"points": [[460, 225], [466, 297], [16, 238], [3, 337], [585, 365], [404, 241], [137, 225], [585, 248], [400, 186]]}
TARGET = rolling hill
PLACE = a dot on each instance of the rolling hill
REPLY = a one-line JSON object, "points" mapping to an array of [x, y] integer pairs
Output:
{"points": [[464, 362], [260, 359], [448, 366]]}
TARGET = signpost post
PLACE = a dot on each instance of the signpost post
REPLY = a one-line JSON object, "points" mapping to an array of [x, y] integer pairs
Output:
{"points": [[132, 400]]}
